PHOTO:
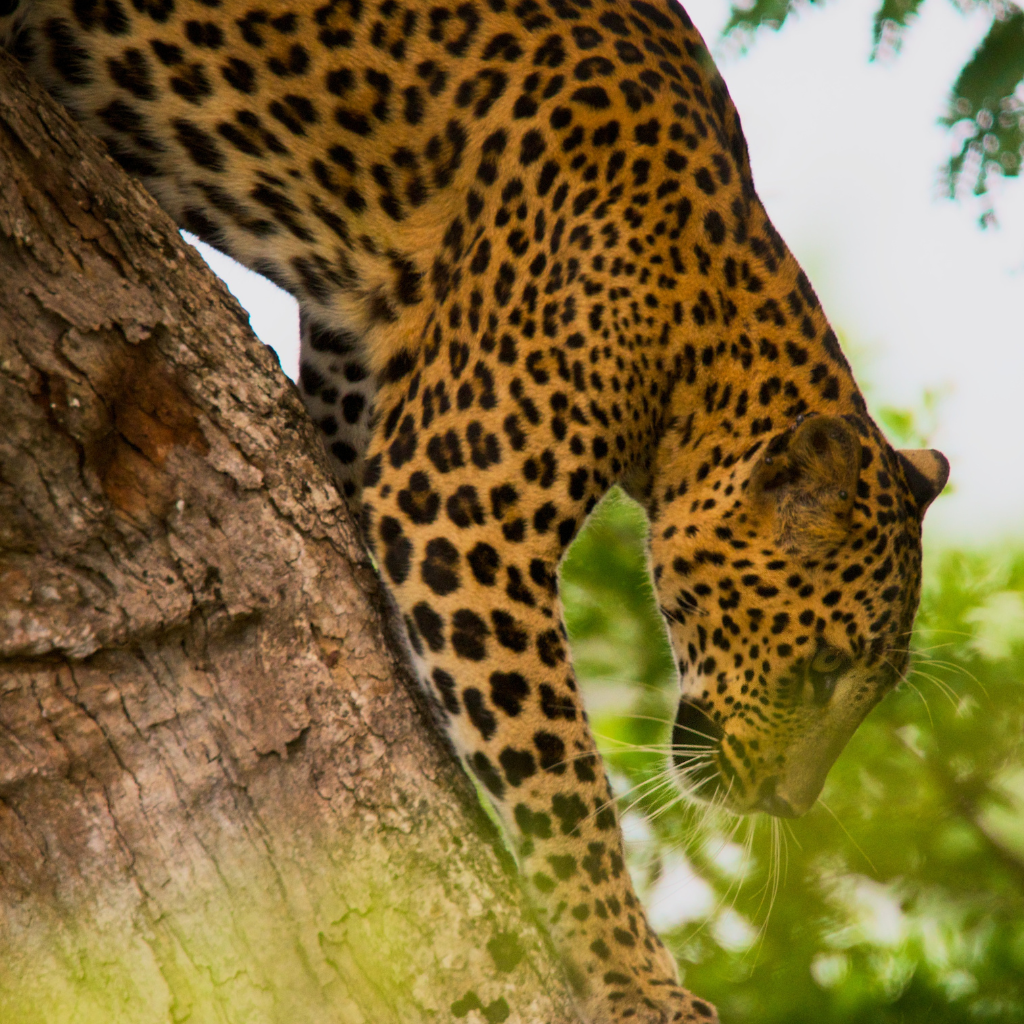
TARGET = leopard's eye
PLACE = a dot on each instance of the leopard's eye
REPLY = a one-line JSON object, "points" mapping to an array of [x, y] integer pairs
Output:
{"points": [[827, 661], [824, 672]]}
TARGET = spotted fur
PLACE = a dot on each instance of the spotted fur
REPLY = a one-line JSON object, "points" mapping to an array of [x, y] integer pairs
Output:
{"points": [[531, 264]]}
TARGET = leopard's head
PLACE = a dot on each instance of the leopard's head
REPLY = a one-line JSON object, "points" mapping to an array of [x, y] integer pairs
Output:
{"points": [[790, 576]]}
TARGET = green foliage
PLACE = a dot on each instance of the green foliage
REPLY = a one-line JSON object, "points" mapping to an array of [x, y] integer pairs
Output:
{"points": [[744, 19], [891, 19], [900, 897], [985, 105], [912, 428], [609, 599], [985, 111]]}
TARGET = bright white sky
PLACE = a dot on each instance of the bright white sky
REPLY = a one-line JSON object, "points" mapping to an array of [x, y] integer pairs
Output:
{"points": [[845, 157]]}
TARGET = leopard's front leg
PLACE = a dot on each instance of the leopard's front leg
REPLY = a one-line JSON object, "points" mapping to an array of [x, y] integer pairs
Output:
{"points": [[468, 516]]}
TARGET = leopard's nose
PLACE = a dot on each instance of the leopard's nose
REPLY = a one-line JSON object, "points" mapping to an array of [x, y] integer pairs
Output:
{"points": [[771, 803]]}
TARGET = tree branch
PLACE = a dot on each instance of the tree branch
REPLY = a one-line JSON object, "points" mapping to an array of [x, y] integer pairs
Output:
{"points": [[219, 799]]}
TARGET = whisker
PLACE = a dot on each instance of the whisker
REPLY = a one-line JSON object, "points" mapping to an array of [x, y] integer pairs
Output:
{"points": [[671, 723], [952, 666], [643, 790], [938, 629], [650, 718], [944, 688], [664, 747], [931, 721], [856, 845], [643, 796], [792, 834]]}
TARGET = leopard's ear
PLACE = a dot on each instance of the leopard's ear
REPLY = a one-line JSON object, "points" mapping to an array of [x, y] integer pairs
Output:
{"points": [[806, 480], [926, 471]]}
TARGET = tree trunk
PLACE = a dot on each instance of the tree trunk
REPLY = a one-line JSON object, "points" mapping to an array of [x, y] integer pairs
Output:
{"points": [[220, 797]]}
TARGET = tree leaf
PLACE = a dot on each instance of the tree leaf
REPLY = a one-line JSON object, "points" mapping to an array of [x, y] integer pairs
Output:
{"points": [[891, 19], [761, 13], [984, 101]]}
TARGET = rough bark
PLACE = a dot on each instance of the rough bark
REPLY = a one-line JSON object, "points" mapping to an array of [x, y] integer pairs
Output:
{"points": [[220, 798]]}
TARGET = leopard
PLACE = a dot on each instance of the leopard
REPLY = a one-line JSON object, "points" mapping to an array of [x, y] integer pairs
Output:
{"points": [[531, 266]]}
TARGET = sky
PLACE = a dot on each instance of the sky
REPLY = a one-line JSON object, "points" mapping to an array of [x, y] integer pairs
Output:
{"points": [[846, 156]]}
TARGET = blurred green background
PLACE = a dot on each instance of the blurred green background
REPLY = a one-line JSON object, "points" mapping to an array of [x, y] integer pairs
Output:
{"points": [[899, 898]]}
